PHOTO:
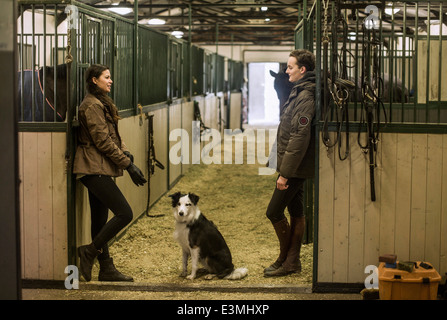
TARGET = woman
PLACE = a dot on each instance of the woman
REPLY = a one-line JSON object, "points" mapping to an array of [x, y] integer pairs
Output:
{"points": [[101, 155], [295, 163]]}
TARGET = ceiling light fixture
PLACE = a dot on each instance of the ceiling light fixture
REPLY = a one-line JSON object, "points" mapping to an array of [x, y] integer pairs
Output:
{"points": [[156, 22], [121, 11], [177, 34], [390, 11]]}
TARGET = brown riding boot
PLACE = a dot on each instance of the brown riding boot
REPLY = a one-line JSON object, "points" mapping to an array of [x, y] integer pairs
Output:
{"points": [[292, 263], [282, 230]]}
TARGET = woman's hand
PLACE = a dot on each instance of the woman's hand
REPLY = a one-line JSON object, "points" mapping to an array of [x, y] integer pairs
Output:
{"points": [[281, 183]]}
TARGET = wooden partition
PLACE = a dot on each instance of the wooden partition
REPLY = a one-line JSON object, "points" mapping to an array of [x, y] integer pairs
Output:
{"points": [[43, 204], [408, 218], [235, 110]]}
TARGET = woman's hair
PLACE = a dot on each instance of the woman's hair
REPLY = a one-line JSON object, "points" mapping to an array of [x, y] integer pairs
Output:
{"points": [[95, 71], [304, 58]]}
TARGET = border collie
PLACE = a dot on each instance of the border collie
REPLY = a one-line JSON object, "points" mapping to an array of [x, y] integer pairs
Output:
{"points": [[200, 239]]}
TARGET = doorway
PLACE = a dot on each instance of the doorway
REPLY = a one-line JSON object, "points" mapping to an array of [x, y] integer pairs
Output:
{"points": [[263, 102]]}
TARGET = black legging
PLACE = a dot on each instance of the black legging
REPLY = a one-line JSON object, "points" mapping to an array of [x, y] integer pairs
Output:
{"points": [[104, 194], [292, 198]]}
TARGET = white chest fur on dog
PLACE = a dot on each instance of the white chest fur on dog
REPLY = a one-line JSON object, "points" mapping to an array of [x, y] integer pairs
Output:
{"points": [[181, 234], [201, 240]]}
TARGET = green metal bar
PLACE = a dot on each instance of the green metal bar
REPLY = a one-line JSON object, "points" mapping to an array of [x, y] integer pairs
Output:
{"points": [[356, 69], [135, 59], [381, 58], [398, 128], [190, 48], [427, 80], [72, 97], [317, 145], [33, 60], [22, 62], [45, 55], [415, 62], [440, 62], [56, 47], [391, 62], [404, 53]]}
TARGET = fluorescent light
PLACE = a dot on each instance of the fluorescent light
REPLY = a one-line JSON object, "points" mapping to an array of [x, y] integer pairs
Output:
{"points": [[390, 11], [264, 8], [267, 19], [156, 21], [351, 36], [177, 34], [121, 11]]}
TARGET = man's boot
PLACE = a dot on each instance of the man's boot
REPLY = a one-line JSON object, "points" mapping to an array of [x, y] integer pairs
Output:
{"points": [[108, 272], [282, 230], [292, 263], [87, 255]]}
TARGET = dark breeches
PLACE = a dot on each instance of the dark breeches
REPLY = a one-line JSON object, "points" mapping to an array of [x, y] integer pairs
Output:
{"points": [[290, 198], [104, 194]]}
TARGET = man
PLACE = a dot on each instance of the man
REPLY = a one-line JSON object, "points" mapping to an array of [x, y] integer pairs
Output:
{"points": [[295, 163]]}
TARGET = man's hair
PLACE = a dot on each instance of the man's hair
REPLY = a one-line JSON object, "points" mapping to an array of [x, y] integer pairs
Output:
{"points": [[304, 58]]}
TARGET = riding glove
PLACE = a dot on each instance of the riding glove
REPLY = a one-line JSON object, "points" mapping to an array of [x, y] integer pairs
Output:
{"points": [[129, 155], [136, 175]]}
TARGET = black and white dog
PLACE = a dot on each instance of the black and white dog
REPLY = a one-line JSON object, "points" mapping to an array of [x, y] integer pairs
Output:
{"points": [[200, 239]]}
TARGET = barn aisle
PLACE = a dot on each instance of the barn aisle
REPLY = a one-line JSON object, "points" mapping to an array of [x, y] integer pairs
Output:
{"points": [[235, 197]]}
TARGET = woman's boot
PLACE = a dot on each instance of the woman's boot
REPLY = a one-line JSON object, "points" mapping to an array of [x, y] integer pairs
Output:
{"points": [[292, 263], [108, 272], [87, 255], [282, 230]]}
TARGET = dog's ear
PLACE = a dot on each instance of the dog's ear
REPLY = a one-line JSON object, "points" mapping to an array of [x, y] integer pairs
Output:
{"points": [[194, 198], [175, 197]]}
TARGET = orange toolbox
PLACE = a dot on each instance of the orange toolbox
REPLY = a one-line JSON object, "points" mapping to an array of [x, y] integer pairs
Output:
{"points": [[397, 283]]}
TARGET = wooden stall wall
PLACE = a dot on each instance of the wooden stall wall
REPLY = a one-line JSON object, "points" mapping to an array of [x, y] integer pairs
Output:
{"points": [[43, 204], [408, 218], [175, 122], [159, 180], [235, 110], [187, 119]]}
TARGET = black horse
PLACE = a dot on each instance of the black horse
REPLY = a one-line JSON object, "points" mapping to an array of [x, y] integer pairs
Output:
{"points": [[282, 86], [43, 110], [398, 89]]}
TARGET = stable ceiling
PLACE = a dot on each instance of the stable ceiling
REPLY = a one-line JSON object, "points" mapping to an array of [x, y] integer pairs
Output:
{"points": [[261, 22]]}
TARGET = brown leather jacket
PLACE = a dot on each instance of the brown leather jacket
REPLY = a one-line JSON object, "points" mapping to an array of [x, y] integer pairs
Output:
{"points": [[296, 137], [100, 148]]}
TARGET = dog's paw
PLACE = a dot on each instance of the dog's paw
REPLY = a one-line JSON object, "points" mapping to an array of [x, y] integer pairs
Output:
{"points": [[191, 277], [183, 274], [210, 276]]}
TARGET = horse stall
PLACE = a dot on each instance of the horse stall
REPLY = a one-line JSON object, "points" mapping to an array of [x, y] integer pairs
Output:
{"points": [[160, 84], [381, 182]]}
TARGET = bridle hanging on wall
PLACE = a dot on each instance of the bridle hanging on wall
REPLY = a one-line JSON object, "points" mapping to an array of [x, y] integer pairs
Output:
{"points": [[372, 90], [337, 86], [336, 82]]}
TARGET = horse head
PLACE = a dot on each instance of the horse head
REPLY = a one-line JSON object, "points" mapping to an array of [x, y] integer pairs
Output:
{"points": [[282, 86]]}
